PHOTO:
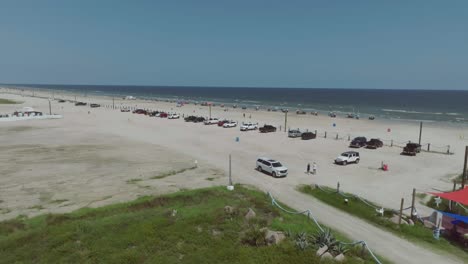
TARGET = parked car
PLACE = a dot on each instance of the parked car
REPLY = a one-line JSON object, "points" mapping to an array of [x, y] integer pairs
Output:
{"points": [[94, 105], [348, 157], [61, 101], [411, 149], [173, 116], [358, 142], [308, 135], [140, 111], [80, 103], [294, 133], [371, 117], [248, 126], [199, 120], [301, 112], [211, 121], [272, 167], [163, 115], [332, 114], [124, 110], [190, 118], [374, 143], [221, 122], [267, 129], [230, 124]]}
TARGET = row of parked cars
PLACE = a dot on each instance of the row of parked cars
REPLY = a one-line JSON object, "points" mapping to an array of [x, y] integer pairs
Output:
{"points": [[306, 135], [153, 113]]}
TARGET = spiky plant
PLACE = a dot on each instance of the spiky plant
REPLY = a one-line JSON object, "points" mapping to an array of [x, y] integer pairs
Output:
{"points": [[324, 238], [301, 241], [338, 249]]}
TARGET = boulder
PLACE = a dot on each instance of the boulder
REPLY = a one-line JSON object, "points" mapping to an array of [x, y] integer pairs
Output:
{"points": [[395, 218], [340, 258], [174, 212], [250, 214], [410, 222], [274, 237], [228, 209], [321, 250], [326, 256]]}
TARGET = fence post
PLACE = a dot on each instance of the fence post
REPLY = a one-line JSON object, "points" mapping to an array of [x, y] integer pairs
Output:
{"points": [[428, 147], [338, 187], [448, 149], [391, 143], [316, 132], [349, 137], [412, 203], [401, 211], [325, 134], [336, 135]]}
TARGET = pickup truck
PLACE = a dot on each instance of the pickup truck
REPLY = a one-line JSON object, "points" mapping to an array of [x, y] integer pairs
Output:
{"points": [[230, 124], [294, 133], [211, 121], [248, 126], [267, 129]]}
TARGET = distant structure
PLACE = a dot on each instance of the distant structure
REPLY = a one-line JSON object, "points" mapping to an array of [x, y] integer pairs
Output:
{"points": [[129, 97]]}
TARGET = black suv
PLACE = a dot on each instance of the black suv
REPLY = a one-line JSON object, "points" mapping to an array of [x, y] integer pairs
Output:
{"points": [[374, 143], [358, 142], [267, 128]]}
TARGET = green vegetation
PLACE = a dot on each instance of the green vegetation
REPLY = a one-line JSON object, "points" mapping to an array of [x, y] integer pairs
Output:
{"points": [[445, 207], [171, 173], [59, 201], [133, 181], [189, 227], [37, 207], [417, 233], [7, 101], [210, 179]]}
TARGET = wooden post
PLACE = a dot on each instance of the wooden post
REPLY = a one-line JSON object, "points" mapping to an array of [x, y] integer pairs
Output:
{"points": [[464, 168], [401, 211], [448, 149], [391, 143], [230, 178], [349, 137], [113, 106], [50, 108], [412, 203], [420, 132], [210, 111], [454, 188], [325, 134], [338, 187], [285, 120], [428, 147]]}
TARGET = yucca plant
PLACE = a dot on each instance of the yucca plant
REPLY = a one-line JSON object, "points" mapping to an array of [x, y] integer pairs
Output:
{"points": [[301, 241], [339, 248], [324, 238]]}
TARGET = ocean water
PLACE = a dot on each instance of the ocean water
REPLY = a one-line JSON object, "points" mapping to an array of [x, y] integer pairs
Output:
{"points": [[412, 105]]}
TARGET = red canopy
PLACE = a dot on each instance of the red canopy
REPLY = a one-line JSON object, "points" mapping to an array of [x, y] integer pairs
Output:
{"points": [[460, 196]]}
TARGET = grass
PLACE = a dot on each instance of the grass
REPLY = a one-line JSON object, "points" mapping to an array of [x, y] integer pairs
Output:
{"points": [[59, 201], [210, 179], [145, 231], [133, 181], [171, 173], [445, 207], [7, 101], [417, 233], [36, 207]]}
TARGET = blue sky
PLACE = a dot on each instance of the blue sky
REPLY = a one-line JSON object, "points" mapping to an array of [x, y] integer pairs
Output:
{"points": [[327, 44]]}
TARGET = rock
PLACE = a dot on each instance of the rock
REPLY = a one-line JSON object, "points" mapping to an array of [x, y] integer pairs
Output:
{"points": [[410, 222], [340, 258], [429, 224], [281, 219], [322, 250], [174, 212], [326, 256], [199, 229], [274, 237], [215, 232], [250, 214], [228, 209], [395, 218]]}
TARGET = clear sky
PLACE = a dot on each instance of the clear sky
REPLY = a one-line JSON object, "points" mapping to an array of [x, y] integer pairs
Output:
{"points": [[350, 43]]}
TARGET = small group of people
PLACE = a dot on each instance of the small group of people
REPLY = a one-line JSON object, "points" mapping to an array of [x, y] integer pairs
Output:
{"points": [[314, 168]]}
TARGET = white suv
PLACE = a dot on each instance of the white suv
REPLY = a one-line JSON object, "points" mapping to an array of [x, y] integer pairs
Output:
{"points": [[271, 166], [248, 126], [348, 157], [211, 121]]}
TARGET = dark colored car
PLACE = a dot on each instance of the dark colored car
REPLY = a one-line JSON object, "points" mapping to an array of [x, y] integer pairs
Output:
{"points": [[199, 120], [94, 105], [374, 143], [80, 103], [190, 118], [267, 129], [61, 101], [221, 122], [140, 111], [308, 135], [411, 149], [358, 142], [163, 115]]}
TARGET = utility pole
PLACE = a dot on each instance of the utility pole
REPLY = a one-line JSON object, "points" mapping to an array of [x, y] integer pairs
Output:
{"points": [[420, 132], [113, 103], [230, 177], [412, 203], [464, 168], [50, 108], [285, 120], [210, 112], [401, 211]]}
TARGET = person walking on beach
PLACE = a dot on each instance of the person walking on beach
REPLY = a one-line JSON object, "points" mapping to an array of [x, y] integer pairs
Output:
{"points": [[308, 168], [314, 168]]}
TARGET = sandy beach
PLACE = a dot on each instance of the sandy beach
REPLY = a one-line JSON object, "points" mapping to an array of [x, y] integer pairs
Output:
{"points": [[96, 156]]}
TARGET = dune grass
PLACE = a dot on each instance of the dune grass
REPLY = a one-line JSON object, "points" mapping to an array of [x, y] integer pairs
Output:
{"points": [[417, 233], [184, 227], [171, 173], [7, 101]]}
